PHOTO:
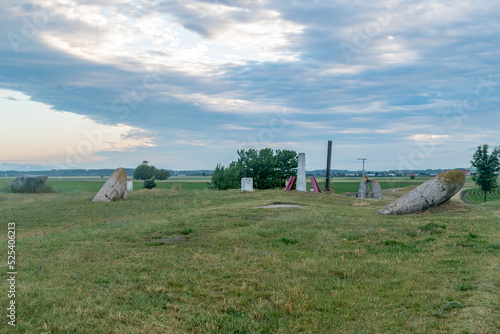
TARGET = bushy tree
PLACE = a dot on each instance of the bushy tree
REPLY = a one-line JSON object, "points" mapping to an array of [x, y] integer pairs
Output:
{"points": [[162, 174], [144, 171], [487, 165], [268, 169], [224, 178]]}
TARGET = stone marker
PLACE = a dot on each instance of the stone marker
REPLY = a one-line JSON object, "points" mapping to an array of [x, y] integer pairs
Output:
{"points": [[364, 190], [431, 193], [247, 184], [301, 173], [130, 185], [376, 189], [28, 184], [115, 187]]}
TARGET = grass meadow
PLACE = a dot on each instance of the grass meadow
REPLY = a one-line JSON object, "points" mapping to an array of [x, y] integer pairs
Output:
{"points": [[184, 259]]}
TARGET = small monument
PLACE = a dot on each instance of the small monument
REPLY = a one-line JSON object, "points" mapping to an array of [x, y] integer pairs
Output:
{"points": [[364, 190], [301, 173], [130, 185], [28, 184], [247, 184], [431, 193], [115, 187]]}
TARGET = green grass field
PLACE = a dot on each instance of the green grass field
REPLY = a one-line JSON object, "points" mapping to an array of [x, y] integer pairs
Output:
{"points": [[184, 259], [93, 184]]}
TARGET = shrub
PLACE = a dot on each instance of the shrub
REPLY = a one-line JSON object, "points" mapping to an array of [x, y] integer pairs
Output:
{"points": [[224, 178], [149, 183]]}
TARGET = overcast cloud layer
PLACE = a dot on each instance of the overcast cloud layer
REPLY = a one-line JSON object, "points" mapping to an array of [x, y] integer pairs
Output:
{"points": [[406, 84]]}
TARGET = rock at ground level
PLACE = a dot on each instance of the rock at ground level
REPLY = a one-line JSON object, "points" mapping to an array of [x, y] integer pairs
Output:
{"points": [[431, 193], [28, 184], [115, 187]]}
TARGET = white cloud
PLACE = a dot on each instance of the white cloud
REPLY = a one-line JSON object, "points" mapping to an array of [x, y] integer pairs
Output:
{"points": [[428, 137]]}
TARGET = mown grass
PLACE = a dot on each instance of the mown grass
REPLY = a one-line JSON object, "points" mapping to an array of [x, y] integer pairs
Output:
{"points": [[476, 195], [183, 260]]}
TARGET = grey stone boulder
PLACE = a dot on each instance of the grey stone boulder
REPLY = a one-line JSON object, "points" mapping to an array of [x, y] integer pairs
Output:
{"points": [[431, 193], [364, 190], [28, 184], [115, 187], [376, 189]]}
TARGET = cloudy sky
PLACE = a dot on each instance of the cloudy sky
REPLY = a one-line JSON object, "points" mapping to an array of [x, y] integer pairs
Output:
{"points": [[185, 84]]}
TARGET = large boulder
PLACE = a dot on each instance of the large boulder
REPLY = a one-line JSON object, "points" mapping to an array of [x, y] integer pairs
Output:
{"points": [[115, 187], [431, 193], [28, 184]]}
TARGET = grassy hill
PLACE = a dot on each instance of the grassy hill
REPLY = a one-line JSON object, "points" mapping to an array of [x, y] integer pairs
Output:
{"points": [[184, 259]]}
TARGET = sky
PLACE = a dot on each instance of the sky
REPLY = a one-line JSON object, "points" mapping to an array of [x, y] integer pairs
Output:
{"points": [[185, 84]]}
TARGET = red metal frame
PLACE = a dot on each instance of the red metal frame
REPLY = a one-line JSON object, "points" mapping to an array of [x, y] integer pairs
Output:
{"points": [[291, 183], [315, 185]]}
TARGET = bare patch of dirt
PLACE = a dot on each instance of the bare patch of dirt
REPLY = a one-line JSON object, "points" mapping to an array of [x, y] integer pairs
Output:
{"points": [[274, 206]]}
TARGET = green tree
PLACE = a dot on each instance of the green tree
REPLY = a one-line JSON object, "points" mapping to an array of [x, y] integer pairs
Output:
{"points": [[144, 171], [162, 174], [268, 169], [487, 165], [224, 178]]}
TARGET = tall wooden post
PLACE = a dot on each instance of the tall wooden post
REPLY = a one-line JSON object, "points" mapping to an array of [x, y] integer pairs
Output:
{"points": [[328, 165]]}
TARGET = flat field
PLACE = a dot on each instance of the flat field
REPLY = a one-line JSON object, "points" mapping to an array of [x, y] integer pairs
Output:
{"points": [[184, 259]]}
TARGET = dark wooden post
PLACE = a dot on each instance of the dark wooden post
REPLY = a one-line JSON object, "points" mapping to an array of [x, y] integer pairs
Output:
{"points": [[328, 166]]}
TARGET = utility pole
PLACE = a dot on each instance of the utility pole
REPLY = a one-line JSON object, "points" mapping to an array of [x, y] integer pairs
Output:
{"points": [[363, 166], [328, 165]]}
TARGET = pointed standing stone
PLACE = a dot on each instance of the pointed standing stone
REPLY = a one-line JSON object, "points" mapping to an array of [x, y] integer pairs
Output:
{"points": [[115, 187], [364, 189], [376, 189]]}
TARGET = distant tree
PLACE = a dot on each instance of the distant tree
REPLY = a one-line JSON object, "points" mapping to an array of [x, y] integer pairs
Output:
{"points": [[149, 183], [224, 178], [487, 166], [144, 171], [412, 177], [162, 174]]}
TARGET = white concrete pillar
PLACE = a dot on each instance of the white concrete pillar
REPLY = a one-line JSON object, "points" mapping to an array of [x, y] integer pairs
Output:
{"points": [[130, 185], [301, 173]]}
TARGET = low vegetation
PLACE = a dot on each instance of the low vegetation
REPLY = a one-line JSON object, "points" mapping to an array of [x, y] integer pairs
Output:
{"points": [[183, 259]]}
